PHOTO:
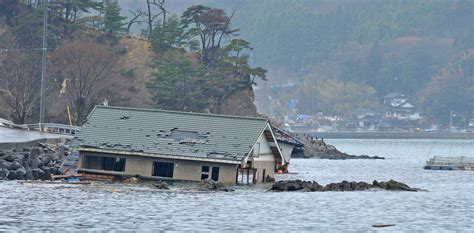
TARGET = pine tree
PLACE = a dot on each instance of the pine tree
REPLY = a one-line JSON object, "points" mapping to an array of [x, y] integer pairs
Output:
{"points": [[114, 25]]}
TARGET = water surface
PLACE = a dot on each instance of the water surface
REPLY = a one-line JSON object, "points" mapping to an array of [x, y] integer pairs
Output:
{"points": [[449, 204]]}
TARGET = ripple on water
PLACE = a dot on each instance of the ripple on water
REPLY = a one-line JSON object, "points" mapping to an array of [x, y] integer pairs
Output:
{"points": [[448, 204]]}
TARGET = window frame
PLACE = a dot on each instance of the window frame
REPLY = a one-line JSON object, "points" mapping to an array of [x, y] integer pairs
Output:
{"points": [[166, 172]]}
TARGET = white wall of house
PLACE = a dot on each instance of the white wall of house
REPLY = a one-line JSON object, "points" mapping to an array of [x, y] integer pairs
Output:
{"points": [[286, 150], [262, 159]]}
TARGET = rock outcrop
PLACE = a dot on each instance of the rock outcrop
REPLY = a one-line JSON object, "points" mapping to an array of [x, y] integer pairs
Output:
{"points": [[314, 148], [211, 185], [344, 186], [162, 185], [29, 164]]}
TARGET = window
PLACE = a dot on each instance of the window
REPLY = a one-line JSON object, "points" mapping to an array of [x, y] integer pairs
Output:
{"points": [[204, 172], [215, 173], [104, 163], [163, 169]]}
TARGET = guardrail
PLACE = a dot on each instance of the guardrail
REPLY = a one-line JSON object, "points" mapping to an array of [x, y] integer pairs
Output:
{"points": [[45, 127]]}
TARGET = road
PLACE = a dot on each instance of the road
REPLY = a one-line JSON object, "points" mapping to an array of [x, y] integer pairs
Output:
{"points": [[15, 135]]}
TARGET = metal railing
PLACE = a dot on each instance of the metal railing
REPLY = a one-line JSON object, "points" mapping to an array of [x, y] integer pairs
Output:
{"points": [[45, 127], [451, 161]]}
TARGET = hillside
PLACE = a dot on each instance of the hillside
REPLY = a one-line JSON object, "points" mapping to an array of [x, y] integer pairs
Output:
{"points": [[92, 61], [390, 46]]}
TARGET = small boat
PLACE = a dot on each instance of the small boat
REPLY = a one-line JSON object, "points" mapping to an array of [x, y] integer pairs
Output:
{"points": [[383, 225], [450, 163]]}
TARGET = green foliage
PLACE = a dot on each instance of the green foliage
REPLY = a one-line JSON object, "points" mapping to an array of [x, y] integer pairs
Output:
{"points": [[183, 82], [451, 90], [212, 26], [178, 84], [171, 35], [234, 62], [392, 46], [114, 25], [28, 29], [130, 73], [335, 97]]}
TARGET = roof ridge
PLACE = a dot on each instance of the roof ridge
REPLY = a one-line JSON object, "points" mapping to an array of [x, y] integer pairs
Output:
{"points": [[180, 112]]}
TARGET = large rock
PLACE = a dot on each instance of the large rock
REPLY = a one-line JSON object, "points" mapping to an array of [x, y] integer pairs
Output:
{"points": [[34, 163], [29, 175], [314, 148], [46, 175], [3, 173], [37, 173], [9, 157], [5, 165], [15, 165], [211, 185], [162, 185], [344, 186], [394, 185], [35, 152], [26, 164], [20, 174], [45, 160], [11, 175], [17, 175], [55, 158], [10, 165], [295, 185]]}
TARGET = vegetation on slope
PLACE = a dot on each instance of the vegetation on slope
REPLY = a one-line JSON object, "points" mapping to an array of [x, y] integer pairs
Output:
{"points": [[193, 63], [389, 46]]}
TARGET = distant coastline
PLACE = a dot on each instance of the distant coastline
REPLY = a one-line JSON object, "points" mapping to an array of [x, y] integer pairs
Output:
{"points": [[391, 135]]}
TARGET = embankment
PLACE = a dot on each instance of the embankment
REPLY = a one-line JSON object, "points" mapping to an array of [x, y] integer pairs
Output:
{"points": [[390, 135]]}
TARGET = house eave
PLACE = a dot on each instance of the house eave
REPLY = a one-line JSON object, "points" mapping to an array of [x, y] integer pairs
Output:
{"points": [[97, 150]]}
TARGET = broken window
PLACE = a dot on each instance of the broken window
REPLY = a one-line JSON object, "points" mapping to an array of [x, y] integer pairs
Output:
{"points": [[104, 163], [163, 169], [204, 172]]}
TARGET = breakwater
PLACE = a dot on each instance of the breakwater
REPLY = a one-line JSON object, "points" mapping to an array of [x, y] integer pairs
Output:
{"points": [[391, 135]]}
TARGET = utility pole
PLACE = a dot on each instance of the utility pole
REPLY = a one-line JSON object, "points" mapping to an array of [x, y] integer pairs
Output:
{"points": [[43, 65], [451, 120]]}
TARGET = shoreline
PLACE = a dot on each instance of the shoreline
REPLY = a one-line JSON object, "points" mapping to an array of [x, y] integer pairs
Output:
{"points": [[390, 135]]}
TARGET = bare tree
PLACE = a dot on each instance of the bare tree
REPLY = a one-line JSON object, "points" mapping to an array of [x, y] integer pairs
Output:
{"points": [[19, 84], [137, 16], [152, 16], [211, 26], [87, 71]]}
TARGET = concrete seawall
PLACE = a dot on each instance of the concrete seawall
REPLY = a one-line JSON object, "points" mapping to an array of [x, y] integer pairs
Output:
{"points": [[390, 135], [33, 143], [19, 139]]}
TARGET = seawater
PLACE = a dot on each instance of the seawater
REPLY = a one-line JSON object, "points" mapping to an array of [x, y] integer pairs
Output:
{"points": [[448, 204]]}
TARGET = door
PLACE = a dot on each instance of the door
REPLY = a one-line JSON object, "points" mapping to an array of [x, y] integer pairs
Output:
{"points": [[215, 173]]}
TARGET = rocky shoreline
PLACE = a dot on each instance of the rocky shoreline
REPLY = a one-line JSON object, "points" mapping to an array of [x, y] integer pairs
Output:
{"points": [[344, 186], [319, 149], [30, 163]]}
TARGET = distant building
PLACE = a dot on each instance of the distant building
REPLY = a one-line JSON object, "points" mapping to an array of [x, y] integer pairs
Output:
{"points": [[170, 145], [398, 107]]}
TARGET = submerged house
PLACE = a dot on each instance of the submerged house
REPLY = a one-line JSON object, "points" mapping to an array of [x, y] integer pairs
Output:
{"points": [[288, 144], [171, 145]]}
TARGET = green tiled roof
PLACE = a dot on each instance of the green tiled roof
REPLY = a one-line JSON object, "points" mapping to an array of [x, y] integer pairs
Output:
{"points": [[171, 133]]}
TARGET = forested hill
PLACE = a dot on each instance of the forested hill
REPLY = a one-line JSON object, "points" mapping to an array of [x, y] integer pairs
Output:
{"points": [[382, 46]]}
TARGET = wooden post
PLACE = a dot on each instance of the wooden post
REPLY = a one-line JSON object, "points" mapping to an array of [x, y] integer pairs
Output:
{"points": [[248, 176]]}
